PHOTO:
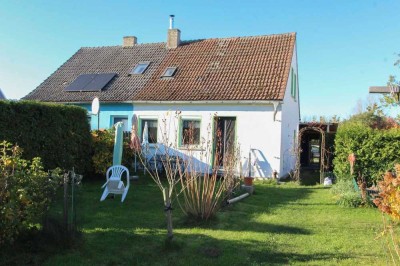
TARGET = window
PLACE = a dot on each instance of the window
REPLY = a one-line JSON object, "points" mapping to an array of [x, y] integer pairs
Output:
{"points": [[294, 84], [152, 126], [140, 68], [169, 72], [190, 132], [122, 119]]}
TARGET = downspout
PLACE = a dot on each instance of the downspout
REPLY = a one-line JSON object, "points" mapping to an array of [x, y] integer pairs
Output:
{"points": [[276, 105]]}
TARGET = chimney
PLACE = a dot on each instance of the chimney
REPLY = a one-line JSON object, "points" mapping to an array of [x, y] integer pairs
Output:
{"points": [[174, 35], [129, 41]]}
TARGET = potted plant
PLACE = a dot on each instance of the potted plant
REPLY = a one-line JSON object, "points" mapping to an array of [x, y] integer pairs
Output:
{"points": [[248, 180]]}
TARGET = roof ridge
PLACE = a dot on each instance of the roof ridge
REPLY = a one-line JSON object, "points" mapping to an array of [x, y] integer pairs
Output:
{"points": [[120, 46], [254, 36], [196, 40]]}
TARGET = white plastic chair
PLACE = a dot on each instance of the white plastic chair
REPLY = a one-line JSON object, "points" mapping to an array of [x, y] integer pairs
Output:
{"points": [[114, 183]]}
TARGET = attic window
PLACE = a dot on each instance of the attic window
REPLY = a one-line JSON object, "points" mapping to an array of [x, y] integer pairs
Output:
{"points": [[169, 72], [140, 68]]}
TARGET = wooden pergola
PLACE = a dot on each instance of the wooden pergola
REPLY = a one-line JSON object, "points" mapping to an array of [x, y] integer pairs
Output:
{"points": [[393, 89], [299, 150]]}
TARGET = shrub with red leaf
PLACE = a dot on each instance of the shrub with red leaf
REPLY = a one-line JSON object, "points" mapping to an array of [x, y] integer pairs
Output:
{"points": [[389, 196]]}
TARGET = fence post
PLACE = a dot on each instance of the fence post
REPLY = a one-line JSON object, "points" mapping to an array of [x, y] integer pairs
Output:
{"points": [[66, 202]]}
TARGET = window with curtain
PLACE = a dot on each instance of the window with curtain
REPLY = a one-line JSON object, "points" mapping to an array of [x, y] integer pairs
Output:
{"points": [[152, 125], [190, 133]]}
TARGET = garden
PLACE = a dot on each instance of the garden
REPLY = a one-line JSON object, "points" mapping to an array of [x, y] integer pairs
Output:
{"points": [[50, 215], [279, 224]]}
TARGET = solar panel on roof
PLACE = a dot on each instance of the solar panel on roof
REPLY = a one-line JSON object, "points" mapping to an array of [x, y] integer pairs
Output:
{"points": [[90, 82], [80, 82], [100, 81]]}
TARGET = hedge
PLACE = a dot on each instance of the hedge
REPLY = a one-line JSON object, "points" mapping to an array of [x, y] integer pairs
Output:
{"points": [[376, 150], [103, 148], [58, 134]]}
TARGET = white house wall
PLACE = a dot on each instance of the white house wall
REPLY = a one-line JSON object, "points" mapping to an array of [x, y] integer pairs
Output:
{"points": [[290, 122], [256, 129]]}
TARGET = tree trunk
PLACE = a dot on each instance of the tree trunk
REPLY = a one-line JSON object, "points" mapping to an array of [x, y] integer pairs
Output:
{"points": [[168, 212]]}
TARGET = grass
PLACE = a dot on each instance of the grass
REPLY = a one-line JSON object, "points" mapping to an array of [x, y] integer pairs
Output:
{"points": [[278, 225]]}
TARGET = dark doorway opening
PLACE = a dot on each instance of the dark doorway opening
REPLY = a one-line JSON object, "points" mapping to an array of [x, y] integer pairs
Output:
{"points": [[224, 139], [310, 157], [315, 149], [311, 150]]}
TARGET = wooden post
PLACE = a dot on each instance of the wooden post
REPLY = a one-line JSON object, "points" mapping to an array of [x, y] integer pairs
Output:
{"points": [[351, 158], [72, 222], [393, 89], [66, 203], [168, 212]]}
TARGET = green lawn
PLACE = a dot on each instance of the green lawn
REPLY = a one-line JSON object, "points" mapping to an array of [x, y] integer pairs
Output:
{"points": [[279, 224]]}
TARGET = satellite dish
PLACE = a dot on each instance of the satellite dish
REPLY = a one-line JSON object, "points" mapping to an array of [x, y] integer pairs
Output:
{"points": [[95, 106]]}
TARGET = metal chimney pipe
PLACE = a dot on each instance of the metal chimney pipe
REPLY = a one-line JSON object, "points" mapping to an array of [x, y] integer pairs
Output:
{"points": [[171, 21]]}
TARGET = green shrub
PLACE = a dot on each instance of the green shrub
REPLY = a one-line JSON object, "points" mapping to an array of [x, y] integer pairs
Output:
{"points": [[26, 191], [59, 134], [375, 144], [103, 148], [345, 193]]}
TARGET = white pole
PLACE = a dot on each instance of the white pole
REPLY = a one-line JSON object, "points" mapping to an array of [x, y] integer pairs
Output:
{"points": [[238, 198]]}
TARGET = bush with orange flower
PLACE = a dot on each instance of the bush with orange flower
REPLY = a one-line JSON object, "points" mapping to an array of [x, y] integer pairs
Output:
{"points": [[389, 196], [389, 203]]}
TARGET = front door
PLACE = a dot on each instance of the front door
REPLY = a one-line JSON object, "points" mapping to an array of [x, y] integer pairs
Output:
{"points": [[224, 139]]}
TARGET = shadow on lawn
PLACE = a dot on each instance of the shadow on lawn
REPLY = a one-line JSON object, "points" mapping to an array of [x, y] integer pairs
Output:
{"points": [[249, 225], [185, 249], [247, 252]]}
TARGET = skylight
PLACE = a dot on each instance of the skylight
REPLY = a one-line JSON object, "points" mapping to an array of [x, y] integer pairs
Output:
{"points": [[169, 72], [140, 68]]}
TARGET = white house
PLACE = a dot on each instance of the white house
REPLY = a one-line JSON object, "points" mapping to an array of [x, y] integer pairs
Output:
{"points": [[244, 88], [249, 83]]}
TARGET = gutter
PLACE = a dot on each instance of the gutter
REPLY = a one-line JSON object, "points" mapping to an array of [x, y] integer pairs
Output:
{"points": [[252, 102], [90, 102], [275, 104]]}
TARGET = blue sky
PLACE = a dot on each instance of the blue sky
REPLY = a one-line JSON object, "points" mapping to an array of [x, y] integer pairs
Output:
{"points": [[344, 46]]}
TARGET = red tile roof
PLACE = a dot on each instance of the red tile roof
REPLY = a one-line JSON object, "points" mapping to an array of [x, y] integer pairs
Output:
{"points": [[242, 68]]}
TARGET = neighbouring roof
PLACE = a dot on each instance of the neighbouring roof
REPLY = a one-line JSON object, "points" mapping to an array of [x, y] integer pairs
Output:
{"points": [[2, 97], [116, 59], [240, 68]]}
